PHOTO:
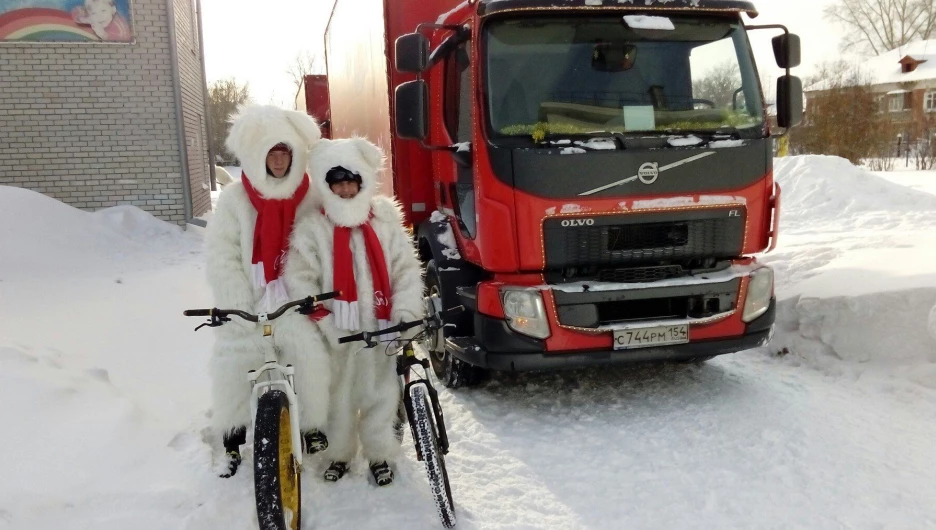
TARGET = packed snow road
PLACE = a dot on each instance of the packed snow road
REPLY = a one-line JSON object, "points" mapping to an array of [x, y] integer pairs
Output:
{"points": [[105, 397]]}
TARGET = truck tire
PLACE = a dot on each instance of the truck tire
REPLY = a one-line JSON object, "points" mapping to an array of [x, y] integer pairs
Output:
{"points": [[452, 372]]}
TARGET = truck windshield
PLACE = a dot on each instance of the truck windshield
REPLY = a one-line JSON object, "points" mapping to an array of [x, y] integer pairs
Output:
{"points": [[581, 75]]}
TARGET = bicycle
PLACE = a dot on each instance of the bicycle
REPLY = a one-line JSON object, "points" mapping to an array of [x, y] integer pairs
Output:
{"points": [[274, 412], [421, 406]]}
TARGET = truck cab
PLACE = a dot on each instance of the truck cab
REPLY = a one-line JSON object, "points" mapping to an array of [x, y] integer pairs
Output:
{"points": [[596, 178]]}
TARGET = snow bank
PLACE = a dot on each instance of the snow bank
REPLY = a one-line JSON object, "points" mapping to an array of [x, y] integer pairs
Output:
{"points": [[855, 278], [917, 180], [44, 236], [830, 190], [105, 386]]}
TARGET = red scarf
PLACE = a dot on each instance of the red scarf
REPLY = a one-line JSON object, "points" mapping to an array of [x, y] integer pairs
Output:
{"points": [[275, 218], [345, 307]]}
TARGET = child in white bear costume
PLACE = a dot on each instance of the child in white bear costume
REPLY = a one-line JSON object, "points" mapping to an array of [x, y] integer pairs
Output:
{"points": [[359, 241], [246, 244]]}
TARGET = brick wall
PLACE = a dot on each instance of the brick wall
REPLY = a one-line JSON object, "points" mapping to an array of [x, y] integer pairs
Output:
{"points": [[193, 103], [94, 124]]}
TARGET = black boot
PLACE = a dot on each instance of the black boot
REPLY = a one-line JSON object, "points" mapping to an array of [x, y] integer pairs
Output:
{"points": [[232, 441], [382, 473], [315, 441], [335, 471]]}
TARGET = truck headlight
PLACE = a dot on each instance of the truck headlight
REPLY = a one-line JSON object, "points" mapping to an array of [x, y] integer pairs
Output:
{"points": [[760, 289], [526, 313]]}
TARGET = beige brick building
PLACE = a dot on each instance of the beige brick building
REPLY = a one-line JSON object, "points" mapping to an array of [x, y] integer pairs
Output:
{"points": [[98, 124]]}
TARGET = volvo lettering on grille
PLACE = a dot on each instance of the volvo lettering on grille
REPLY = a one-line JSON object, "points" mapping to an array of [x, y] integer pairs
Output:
{"points": [[577, 222]]}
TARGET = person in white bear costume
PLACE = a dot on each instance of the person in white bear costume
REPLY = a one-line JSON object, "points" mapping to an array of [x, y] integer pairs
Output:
{"points": [[357, 244], [246, 244]]}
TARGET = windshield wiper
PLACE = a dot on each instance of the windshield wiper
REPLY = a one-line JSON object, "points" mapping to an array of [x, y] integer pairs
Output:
{"points": [[616, 138], [727, 131]]}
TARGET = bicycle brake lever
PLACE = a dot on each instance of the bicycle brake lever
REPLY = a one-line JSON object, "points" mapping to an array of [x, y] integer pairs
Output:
{"points": [[214, 322], [368, 339]]}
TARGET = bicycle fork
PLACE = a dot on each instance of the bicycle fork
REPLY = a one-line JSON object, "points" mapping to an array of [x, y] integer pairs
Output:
{"points": [[281, 378], [403, 369]]}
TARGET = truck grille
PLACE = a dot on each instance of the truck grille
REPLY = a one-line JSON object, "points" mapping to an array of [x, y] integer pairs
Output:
{"points": [[613, 240], [652, 235], [640, 274]]}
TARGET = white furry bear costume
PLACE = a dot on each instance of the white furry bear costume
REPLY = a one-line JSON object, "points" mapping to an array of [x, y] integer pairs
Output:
{"points": [[365, 388], [232, 276]]}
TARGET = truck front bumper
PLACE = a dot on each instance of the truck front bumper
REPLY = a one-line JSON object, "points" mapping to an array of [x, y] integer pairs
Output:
{"points": [[502, 349]]}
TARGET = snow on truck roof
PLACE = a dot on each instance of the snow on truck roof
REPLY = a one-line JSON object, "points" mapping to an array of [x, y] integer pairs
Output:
{"points": [[489, 7]]}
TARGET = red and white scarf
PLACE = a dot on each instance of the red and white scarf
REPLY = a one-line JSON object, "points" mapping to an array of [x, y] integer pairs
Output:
{"points": [[345, 307], [275, 218]]}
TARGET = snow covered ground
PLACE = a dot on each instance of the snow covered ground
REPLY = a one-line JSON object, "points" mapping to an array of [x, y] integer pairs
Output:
{"points": [[105, 402]]}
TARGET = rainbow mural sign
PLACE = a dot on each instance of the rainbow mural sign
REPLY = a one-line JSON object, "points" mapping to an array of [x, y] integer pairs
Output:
{"points": [[66, 20]]}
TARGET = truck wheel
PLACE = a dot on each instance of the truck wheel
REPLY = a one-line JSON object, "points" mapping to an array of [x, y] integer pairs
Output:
{"points": [[452, 372]]}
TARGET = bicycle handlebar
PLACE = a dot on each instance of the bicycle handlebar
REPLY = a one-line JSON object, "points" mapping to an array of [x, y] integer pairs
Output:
{"points": [[307, 302], [434, 321]]}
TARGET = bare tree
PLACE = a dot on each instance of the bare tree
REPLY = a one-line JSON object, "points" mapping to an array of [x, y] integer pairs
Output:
{"points": [[224, 97], [719, 84], [305, 63], [882, 25], [843, 117], [923, 146]]}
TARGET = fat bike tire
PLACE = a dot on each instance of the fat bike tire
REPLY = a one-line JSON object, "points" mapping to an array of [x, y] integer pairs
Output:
{"points": [[276, 473], [426, 439]]}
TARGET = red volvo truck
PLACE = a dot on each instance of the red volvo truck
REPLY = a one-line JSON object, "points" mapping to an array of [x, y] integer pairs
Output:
{"points": [[591, 179]]}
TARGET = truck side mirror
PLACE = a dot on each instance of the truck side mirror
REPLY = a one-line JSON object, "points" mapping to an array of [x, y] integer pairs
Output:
{"points": [[789, 101], [410, 110], [786, 49], [412, 53]]}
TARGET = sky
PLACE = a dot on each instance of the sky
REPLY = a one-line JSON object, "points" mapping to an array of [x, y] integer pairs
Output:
{"points": [[256, 42]]}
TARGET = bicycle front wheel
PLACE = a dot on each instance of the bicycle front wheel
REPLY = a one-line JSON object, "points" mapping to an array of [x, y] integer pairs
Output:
{"points": [[426, 439], [276, 472]]}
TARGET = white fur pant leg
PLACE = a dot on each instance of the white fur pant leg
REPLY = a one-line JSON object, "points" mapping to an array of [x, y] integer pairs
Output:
{"points": [[378, 441], [230, 391], [306, 352], [341, 428]]}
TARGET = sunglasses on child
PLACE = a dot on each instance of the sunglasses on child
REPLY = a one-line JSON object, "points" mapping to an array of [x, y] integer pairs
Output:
{"points": [[340, 174]]}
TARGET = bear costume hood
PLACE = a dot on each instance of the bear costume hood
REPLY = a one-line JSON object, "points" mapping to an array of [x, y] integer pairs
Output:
{"points": [[356, 155], [256, 129]]}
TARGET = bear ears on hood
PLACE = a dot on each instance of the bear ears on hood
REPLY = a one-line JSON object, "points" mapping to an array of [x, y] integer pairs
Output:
{"points": [[255, 129]]}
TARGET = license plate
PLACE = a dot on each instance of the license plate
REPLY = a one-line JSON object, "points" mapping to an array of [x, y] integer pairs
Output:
{"points": [[626, 339]]}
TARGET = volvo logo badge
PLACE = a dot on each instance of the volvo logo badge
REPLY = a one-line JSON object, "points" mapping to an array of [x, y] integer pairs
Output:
{"points": [[648, 172], [577, 222]]}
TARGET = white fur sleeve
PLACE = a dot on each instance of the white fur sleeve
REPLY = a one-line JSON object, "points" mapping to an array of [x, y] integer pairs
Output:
{"points": [[229, 282], [406, 278], [303, 276]]}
